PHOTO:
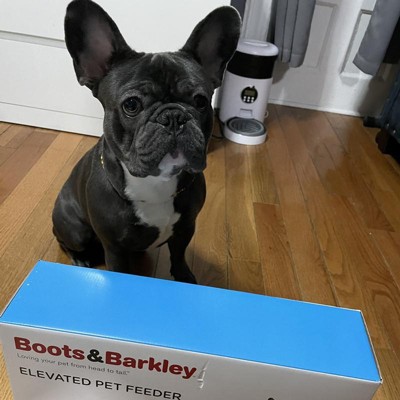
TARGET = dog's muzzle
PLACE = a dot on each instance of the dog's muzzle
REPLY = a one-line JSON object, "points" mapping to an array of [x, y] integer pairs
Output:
{"points": [[170, 141], [173, 117]]}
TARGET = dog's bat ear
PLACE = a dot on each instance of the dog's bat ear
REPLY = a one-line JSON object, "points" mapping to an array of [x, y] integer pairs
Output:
{"points": [[214, 40], [93, 40]]}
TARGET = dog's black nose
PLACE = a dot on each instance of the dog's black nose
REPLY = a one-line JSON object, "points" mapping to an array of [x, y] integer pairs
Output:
{"points": [[173, 119]]}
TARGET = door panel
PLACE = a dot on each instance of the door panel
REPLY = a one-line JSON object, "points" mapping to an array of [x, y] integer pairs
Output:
{"points": [[319, 35]]}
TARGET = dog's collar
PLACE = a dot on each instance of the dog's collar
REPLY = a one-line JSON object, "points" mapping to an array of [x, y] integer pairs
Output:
{"points": [[111, 176], [173, 195]]}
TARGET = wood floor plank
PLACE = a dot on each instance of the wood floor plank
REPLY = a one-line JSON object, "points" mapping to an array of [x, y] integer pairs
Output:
{"points": [[21, 161], [306, 251], [15, 135], [388, 244], [3, 127], [324, 148], [12, 136], [15, 210], [31, 241], [395, 164], [378, 173], [210, 246], [336, 170], [280, 278], [389, 201], [245, 276], [242, 238], [348, 286], [262, 179], [389, 365], [381, 294], [5, 154], [5, 389]]}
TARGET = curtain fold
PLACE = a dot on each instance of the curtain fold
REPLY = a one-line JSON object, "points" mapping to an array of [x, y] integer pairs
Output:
{"points": [[292, 29], [378, 35]]}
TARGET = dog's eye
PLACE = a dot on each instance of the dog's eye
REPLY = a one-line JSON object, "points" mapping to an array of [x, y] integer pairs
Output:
{"points": [[132, 106], [200, 102]]}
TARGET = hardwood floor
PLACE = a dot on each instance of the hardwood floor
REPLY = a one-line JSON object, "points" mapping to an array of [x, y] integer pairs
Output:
{"points": [[313, 214]]}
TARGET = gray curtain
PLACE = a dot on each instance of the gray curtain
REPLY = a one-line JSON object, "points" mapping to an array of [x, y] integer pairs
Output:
{"points": [[378, 35], [292, 29]]}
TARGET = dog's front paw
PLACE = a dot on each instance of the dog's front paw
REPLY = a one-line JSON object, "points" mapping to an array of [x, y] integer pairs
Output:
{"points": [[183, 274]]}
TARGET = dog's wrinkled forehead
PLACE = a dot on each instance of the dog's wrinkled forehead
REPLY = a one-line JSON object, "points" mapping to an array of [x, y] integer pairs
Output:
{"points": [[166, 77]]}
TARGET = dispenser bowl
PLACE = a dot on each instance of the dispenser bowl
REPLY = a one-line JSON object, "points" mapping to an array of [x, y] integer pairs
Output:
{"points": [[245, 131]]}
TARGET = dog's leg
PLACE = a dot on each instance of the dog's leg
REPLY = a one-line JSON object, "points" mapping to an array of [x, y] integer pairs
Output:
{"points": [[76, 237], [177, 246], [118, 259], [91, 255]]}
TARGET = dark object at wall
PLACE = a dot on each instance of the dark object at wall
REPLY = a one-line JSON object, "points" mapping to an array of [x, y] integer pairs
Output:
{"points": [[392, 55], [388, 138]]}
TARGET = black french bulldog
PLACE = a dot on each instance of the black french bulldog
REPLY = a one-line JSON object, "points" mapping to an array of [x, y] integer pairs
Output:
{"points": [[142, 185]]}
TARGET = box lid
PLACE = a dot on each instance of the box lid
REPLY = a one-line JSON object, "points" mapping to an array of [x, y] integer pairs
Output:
{"points": [[195, 318]]}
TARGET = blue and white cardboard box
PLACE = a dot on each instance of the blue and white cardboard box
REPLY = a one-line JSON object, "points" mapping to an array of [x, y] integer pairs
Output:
{"points": [[77, 333]]}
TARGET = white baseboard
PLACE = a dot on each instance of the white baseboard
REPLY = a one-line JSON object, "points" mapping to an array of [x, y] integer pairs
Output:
{"points": [[316, 107]]}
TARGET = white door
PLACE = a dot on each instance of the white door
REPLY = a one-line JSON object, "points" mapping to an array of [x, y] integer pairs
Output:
{"points": [[328, 80], [37, 80]]}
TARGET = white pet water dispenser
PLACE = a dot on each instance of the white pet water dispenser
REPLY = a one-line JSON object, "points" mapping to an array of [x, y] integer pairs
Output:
{"points": [[245, 91]]}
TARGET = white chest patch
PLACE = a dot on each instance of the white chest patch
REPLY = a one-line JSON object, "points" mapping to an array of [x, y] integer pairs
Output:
{"points": [[154, 202]]}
